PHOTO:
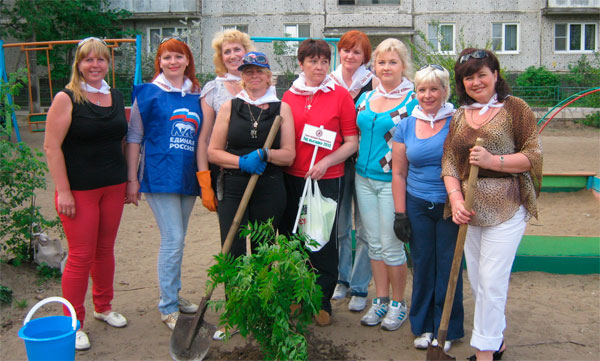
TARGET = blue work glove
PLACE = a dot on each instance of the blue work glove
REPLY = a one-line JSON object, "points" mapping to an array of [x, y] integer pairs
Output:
{"points": [[253, 162]]}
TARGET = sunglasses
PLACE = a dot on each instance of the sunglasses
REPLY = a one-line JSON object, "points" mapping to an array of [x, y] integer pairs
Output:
{"points": [[89, 39], [164, 40], [477, 54], [435, 66], [255, 59]]}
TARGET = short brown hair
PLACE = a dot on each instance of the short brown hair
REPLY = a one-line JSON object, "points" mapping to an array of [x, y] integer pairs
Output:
{"points": [[473, 65], [313, 47], [354, 38]]}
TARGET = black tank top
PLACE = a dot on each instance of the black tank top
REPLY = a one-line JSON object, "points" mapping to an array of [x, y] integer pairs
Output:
{"points": [[239, 141], [93, 146], [364, 89]]}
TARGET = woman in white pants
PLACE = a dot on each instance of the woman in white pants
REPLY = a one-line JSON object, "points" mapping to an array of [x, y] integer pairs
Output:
{"points": [[510, 177]]}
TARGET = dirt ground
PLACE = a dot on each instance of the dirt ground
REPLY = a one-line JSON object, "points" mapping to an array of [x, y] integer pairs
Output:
{"points": [[549, 317]]}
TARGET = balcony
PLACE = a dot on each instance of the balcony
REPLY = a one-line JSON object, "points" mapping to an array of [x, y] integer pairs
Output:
{"points": [[167, 9], [572, 7]]}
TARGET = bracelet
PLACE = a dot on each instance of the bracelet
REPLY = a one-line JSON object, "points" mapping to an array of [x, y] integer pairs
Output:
{"points": [[453, 190], [501, 163]]}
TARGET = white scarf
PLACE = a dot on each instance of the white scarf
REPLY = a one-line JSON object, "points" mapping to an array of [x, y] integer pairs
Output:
{"points": [[269, 97], [360, 78], [104, 88], [228, 77], [299, 86], [162, 82], [399, 92], [493, 103], [444, 112]]}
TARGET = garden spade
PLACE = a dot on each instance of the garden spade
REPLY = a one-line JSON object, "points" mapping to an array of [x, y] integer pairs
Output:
{"points": [[191, 336], [437, 353]]}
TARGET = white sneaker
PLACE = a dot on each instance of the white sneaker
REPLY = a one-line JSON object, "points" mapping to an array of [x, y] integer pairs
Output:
{"points": [[113, 318], [170, 320], [423, 341], [186, 306], [219, 334], [395, 317], [357, 303], [340, 292], [82, 342], [375, 314], [447, 344]]}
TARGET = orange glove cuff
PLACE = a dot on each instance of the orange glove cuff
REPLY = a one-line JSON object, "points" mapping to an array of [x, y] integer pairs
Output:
{"points": [[203, 178]]}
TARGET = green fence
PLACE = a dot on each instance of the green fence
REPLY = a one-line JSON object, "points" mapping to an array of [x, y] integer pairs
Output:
{"points": [[551, 95]]}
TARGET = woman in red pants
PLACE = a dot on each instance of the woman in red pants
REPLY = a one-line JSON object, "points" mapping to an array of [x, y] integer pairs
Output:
{"points": [[85, 129]]}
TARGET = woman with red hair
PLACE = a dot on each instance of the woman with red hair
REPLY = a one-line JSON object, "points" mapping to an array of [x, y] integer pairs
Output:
{"points": [[355, 52], [166, 128]]}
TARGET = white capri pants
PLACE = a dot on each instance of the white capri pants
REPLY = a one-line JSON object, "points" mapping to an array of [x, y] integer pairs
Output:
{"points": [[489, 254]]}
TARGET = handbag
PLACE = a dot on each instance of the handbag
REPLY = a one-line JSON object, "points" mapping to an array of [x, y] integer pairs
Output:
{"points": [[317, 216], [48, 251]]}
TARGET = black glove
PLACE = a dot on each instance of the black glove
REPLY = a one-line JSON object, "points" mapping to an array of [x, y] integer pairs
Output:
{"points": [[402, 226]]}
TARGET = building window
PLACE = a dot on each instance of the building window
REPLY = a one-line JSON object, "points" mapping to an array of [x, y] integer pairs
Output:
{"points": [[441, 37], [575, 37], [295, 31], [157, 34], [240, 27], [368, 2], [505, 37]]}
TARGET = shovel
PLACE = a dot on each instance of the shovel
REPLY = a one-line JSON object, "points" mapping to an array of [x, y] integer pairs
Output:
{"points": [[437, 352], [191, 337]]}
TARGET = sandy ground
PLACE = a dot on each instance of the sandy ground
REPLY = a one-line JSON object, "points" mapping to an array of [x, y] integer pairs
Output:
{"points": [[549, 317]]}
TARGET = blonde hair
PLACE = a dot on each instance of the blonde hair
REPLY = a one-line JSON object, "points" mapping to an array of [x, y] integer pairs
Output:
{"points": [[228, 36], [83, 50], [432, 75], [395, 45], [264, 70]]}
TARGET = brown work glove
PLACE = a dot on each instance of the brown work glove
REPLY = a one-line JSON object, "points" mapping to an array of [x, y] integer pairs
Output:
{"points": [[208, 195]]}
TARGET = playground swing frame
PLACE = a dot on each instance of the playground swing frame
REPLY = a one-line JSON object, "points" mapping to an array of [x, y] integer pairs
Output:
{"points": [[36, 120]]}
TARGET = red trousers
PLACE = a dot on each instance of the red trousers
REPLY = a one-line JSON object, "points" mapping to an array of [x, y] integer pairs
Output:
{"points": [[91, 237]]}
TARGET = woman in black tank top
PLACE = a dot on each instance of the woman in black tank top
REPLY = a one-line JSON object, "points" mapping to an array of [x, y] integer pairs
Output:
{"points": [[237, 144], [85, 128]]}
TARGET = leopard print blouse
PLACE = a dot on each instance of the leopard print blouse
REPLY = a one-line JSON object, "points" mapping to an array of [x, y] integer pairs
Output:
{"points": [[497, 195]]}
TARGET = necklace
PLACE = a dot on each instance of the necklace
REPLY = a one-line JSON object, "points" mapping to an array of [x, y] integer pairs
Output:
{"points": [[485, 121], [254, 122], [310, 100]]}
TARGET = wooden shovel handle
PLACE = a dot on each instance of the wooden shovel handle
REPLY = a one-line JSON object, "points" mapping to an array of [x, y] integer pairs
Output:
{"points": [[458, 253], [237, 219]]}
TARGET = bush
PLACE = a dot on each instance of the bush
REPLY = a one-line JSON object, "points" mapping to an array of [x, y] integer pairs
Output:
{"points": [[263, 289], [22, 172], [541, 76], [591, 120]]}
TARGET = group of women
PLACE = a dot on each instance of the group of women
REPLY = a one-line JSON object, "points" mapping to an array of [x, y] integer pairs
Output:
{"points": [[406, 173]]}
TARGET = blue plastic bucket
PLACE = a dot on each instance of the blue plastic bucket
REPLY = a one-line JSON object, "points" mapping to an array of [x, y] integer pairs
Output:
{"points": [[50, 338]]}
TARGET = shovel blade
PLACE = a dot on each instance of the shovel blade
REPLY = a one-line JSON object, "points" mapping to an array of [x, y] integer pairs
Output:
{"points": [[200, 344], [437, 353]]}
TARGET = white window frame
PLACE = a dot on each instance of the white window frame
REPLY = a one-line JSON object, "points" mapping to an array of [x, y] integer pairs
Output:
{"points": [[291, 48], [178, 30], [502, 49], [438, 46], [241, 27], [582, 41]]}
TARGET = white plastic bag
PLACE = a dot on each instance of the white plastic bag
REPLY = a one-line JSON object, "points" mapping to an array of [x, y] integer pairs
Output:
{"points": [[48, 251], [317, 216]]}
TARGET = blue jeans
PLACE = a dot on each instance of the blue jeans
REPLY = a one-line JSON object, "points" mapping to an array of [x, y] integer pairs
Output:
{"points": [[358, 275], [376, 204], [432, 246], [172, 212]]}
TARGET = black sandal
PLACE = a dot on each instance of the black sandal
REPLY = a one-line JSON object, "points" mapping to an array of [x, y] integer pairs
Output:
{"points": [[497, 356]]}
